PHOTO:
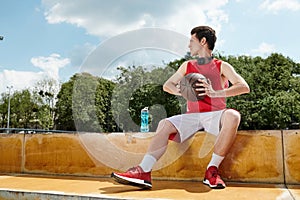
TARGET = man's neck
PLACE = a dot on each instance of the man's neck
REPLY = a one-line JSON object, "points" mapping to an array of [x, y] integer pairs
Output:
{"points": [[204, 60]]}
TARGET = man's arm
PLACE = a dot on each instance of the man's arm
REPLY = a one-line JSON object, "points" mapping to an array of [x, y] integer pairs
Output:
{"points": [[171, 85], [239, 85]]}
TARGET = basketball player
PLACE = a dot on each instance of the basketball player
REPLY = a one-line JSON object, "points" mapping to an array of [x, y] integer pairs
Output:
{"points": [[209, 114]]}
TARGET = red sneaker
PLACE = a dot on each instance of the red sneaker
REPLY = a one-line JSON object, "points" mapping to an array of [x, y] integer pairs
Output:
{"points": [[213, 179], [134, 176]]}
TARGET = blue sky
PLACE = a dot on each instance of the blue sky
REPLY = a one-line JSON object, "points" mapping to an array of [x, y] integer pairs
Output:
{"points": [[52, 38]]}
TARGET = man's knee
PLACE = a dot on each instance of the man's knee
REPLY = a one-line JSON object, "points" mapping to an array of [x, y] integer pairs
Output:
{"points": [[232, 116], [165, 126]]}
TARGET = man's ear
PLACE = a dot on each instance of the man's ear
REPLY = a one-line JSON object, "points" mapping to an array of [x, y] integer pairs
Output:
{"points": [[203, 41]]}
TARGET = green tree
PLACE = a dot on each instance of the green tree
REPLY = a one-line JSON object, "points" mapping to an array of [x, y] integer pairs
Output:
{"points": [[21, 109], [84, 104], [273, 102], [103, 105], [63, 119], [3, 109], [138, 88], [274, 91], [96, 104], [45, 92]]}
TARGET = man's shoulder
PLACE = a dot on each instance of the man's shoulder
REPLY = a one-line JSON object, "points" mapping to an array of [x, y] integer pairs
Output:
{"points": [[216, 60]]}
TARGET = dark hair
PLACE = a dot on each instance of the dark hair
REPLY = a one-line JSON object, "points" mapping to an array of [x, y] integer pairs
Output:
{"points": [[208, 33]]}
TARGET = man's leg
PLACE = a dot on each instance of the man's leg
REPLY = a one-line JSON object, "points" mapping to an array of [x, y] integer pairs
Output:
{"points": [[141, 175], [230, 121], [158, 145]]}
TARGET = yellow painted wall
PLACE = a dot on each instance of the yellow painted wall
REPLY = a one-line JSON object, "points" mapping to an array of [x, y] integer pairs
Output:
{"points": [[291, 141], [11, 152], [256, 156]]}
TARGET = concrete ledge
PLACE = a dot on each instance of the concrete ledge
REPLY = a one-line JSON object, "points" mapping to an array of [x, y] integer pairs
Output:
{"points": [[25, 187], [291, 153], [256, 156], [25, 195], [11, 152]]}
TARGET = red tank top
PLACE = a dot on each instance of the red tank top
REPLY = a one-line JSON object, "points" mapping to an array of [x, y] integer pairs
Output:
{"points": [[212, 72]]}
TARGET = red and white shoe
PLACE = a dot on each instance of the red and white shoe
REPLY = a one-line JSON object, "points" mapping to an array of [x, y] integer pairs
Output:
{"points": [[134, 176], [213, 179]]}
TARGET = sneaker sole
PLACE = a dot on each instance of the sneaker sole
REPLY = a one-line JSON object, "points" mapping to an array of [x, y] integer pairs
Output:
{"points": [[218, 186], [131, 181]]}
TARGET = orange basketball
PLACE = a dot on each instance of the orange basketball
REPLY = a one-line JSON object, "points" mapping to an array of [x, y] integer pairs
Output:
{"points": [[188, 86]]}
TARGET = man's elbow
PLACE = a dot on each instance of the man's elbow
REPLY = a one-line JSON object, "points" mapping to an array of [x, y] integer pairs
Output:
{"points": [[246, 88], [165, 87]]}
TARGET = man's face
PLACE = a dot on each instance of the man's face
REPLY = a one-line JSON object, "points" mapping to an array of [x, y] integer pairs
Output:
{"points": [[194, 45]]}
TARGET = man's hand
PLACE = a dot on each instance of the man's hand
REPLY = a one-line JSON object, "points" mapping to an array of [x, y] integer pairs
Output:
{"points": [[205, 88]]}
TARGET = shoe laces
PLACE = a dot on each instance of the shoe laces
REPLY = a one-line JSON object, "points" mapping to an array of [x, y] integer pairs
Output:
{"points": [[214, 173], [133, 170]]}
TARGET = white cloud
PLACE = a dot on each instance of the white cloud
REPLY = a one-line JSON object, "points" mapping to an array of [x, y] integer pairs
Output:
{"points": [[108, 18], [264, 49], [51, 64], [278, 5], [26, 79], [18, 79]]}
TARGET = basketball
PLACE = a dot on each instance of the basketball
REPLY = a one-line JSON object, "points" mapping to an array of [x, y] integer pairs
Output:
{"points": [[188, 86]]}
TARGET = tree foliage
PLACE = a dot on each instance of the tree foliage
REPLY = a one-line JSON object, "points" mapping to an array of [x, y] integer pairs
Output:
{"points": [[273, 102], [90, 103], [21, 109], [137, 88], [84, 104], [63, 119]]}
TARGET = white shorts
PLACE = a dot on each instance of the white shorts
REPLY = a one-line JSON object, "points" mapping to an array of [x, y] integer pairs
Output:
{"points": [[188, 124]]}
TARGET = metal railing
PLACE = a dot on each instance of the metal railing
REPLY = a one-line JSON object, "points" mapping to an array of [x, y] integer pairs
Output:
{"points": [[32, 131]]}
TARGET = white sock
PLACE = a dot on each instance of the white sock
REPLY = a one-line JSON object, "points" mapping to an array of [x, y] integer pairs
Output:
{"points": [[147, 163], [215, 160]]}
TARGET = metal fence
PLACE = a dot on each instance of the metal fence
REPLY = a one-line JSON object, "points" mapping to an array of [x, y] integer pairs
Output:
{"points": [[32, 131]]}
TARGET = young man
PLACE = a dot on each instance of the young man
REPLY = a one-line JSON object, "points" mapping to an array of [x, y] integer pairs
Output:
{"points": [[209, 114]]}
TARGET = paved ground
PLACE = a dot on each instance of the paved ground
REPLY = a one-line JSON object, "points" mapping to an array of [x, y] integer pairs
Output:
{"points": [[41, 187]]}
